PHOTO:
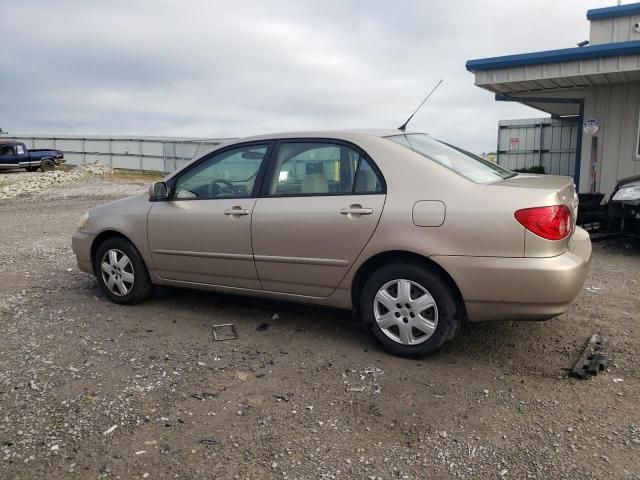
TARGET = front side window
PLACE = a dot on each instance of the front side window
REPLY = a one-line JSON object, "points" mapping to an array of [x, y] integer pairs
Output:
{"points": [[20, 149], [230, 174], [319, 168], [462, 162]]}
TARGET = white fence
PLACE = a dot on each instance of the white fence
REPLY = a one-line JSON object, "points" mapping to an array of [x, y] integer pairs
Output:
{"points": [[161, 154]]}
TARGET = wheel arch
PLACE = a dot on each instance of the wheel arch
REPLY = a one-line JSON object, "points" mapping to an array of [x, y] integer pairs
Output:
{"points": [[104, 235], [396, 256]]}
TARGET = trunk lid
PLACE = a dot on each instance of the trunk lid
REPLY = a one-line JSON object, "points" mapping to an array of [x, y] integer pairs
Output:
{"points": [[553, 190], [563, 186]]}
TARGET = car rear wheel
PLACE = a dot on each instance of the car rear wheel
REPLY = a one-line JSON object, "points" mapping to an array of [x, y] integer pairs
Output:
{"points": [[410, 309], [47, 165], [121, 272]]}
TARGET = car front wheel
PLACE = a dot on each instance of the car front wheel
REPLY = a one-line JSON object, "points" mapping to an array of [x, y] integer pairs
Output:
{"points": [[121, 272], [410, 309]]}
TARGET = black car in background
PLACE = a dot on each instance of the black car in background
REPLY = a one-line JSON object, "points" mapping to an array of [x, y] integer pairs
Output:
{"points": [[624, 206]]}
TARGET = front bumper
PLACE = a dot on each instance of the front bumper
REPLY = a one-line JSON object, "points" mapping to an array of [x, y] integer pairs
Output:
{"points": [[496, 288], [60, 161], [624, 216], [81, 246]]}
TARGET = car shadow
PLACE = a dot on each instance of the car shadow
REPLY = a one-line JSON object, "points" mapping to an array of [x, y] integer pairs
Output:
{"points": [[500, 342]]}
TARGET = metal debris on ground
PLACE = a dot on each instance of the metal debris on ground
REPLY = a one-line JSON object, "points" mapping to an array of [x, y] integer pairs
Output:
{"points": [[208, 441], [225, 331], [204, 395], [592, 360]]}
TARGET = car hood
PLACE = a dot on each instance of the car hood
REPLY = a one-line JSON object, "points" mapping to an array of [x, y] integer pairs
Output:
{"points": [[628, 182]]}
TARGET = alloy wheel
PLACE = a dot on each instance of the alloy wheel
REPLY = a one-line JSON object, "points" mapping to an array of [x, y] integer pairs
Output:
{"points": [[405, 311], [117, 272]]}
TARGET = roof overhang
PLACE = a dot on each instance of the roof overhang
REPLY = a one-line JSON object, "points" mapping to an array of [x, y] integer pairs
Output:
{"points": [[557, 70], [613, 12], [568, 106]]}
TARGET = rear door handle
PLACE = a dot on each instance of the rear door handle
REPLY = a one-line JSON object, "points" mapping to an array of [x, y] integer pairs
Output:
{"points": [[356, 210], [237, 211]]}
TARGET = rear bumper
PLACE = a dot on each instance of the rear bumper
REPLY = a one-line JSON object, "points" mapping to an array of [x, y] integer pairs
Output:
{"points": [[496, 288], [81, 246]]}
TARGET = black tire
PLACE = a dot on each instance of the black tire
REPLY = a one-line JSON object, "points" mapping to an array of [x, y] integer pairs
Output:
{"points": [[47, 165], [449, 318], [142, 287]]}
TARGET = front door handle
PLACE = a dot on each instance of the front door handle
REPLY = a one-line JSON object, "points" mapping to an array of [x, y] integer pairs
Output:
{"points": [[237, 211], [356, 210]]}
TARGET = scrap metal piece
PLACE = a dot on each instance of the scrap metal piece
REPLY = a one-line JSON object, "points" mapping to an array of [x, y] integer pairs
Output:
{"points": [[225, 331], [208, 441], [592, 360]]}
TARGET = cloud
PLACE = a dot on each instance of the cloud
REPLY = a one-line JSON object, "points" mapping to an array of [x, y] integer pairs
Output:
{"points": [[205, 68]]}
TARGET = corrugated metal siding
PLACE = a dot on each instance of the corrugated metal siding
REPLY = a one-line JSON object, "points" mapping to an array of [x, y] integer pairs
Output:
{"points": [[162, 154], [617, 29], [548, 142], [552, 76], [617, 107]]}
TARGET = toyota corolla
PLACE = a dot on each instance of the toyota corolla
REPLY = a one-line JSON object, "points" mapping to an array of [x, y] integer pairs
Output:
{"points": [[416, 235]]}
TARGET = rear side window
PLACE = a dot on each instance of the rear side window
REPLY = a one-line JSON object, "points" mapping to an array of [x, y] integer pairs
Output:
{"points": [[20, 149], [319, 168], [460, 161]]}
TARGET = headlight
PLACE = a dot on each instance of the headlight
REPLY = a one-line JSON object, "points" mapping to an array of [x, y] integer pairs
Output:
{"points": [[84, 219], [628, 193]]}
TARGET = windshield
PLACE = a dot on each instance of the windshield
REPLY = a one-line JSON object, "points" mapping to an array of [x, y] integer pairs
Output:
{"points": [[460, 161]]}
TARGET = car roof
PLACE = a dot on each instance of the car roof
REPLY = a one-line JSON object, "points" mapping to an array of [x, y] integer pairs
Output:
{"points": [[349, 135], [8, 142]]}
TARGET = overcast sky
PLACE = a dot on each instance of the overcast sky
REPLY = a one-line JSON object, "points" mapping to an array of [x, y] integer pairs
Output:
{"points": [[237, 68]]}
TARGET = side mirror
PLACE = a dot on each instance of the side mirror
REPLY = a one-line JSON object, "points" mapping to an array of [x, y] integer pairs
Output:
{"points": [[159, 191]]}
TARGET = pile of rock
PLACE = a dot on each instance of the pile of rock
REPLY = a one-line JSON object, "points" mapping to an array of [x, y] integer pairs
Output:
{"points": [[32, 183]]}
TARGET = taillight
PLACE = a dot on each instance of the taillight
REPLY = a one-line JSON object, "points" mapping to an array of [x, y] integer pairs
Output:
{"points": [[552, 223]]}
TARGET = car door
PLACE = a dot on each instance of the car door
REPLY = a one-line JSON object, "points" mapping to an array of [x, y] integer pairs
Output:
{"points": [[320, 204], [202, 234]]}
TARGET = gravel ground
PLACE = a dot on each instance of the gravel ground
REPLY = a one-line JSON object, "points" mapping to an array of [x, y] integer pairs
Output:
{"points": [[89, 389]]}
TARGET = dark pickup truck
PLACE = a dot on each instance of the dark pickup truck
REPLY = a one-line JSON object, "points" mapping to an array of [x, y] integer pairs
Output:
{"points": [[16, 155]]}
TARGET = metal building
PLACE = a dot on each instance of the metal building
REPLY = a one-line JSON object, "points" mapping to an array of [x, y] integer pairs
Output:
{"points": [[597, 86], [546, 142]]}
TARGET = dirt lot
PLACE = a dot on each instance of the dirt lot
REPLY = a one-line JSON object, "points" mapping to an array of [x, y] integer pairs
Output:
{"points": [[89, 389]]}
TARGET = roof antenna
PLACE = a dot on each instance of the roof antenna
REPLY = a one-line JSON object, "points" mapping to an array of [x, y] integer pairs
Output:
{"points": [[403, 127]]}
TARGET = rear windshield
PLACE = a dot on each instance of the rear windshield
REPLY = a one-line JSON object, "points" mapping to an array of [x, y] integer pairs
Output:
{"points": [[460, 161]]}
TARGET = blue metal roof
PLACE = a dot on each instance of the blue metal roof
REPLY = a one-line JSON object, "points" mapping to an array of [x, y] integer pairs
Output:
{"points": [[554, 56], [612, 12]]}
